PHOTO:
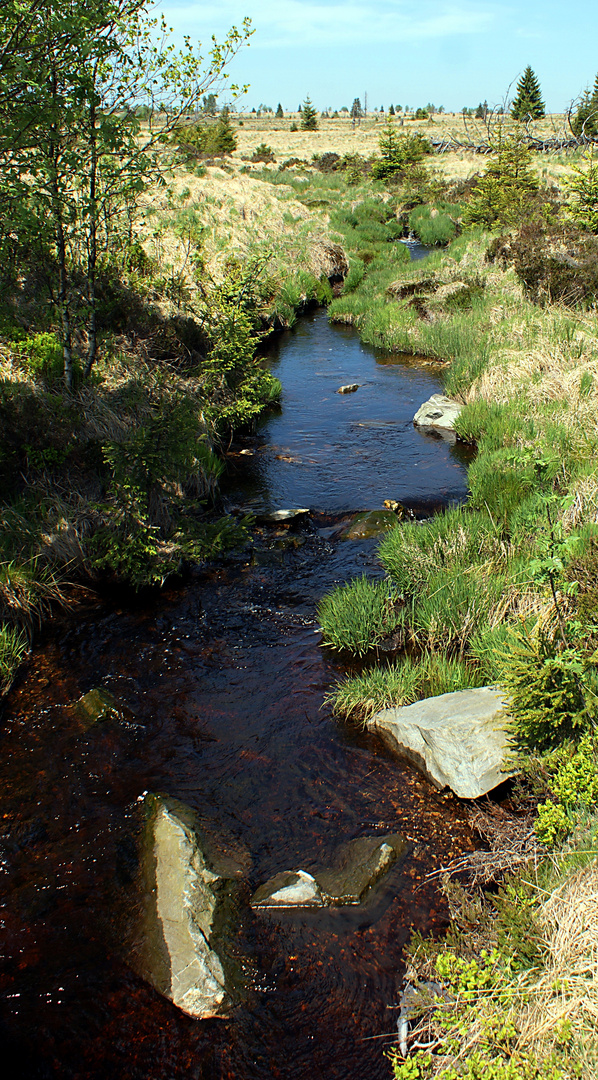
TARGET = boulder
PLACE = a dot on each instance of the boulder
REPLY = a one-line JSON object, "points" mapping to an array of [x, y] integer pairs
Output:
{"points": [[439, 412], [350, 388], [458, 740], [191, 891], [358, 866]]}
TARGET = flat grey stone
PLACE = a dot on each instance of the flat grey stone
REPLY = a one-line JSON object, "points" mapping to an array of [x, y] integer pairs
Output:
{"points": [[458, 740], [438, 412], [190, 905]]}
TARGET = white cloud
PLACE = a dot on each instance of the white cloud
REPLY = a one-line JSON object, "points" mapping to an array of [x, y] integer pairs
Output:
{"points": [[304, 22]]}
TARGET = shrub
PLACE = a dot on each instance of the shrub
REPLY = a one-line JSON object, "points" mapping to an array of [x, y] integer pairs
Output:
{"points": [[195, 140], [264, 153], [503, 192], [552, 690], [358, 615], [398, 153]]}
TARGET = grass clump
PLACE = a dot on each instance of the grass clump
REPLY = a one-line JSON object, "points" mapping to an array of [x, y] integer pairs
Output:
{"points": [[13, 649], [435, 224], [408, 680], [359, 615]]}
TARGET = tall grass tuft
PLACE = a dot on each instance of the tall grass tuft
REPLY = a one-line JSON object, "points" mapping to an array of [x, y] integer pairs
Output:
{"points": [[13, 647], [358, 615], [361, 696]]}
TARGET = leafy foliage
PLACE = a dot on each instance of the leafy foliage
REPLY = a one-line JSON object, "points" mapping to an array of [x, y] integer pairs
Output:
{"points": [[502, 194]]}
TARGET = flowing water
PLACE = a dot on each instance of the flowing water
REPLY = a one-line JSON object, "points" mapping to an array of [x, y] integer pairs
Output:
{"points": [[225, 681]]}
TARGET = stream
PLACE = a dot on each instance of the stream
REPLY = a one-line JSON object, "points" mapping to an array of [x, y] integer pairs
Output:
{"points": [[225, 680]]}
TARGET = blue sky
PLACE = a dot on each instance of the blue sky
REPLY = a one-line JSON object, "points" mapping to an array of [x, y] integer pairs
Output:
{"points": [[450, 52]]}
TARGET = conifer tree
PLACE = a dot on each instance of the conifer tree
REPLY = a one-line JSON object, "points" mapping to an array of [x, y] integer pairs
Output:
{"points": [[528, 104], [585, 120], [279, 111], [309, 121], [391, 111]]}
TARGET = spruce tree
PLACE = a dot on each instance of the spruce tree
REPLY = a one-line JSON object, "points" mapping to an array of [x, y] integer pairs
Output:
{"points": [[528, 104], [585, 120], [391, 111], [309, 121], [356, 110], [279, 111]]}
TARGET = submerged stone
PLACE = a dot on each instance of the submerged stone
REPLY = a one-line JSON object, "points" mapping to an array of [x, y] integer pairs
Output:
{"points": [[439, 412], [458, 740], [191, 904], [369, 524], [98, 705], [359, 865]]}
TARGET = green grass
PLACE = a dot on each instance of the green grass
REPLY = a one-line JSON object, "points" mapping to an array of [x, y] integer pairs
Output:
{"points": [[13, 649], [408, 680], [355, 617]]}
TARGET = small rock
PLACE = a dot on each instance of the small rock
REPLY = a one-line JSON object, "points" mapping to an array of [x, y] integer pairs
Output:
{"points": [[438, 412], [396, 507], [98, 705], [247, 453], [274, 517], [458, 740], [371, 523], [292, 888], [350, 388], [358, 866]]}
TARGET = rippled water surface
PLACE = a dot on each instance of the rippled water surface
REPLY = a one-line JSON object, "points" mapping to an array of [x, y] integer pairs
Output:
{"points": [[225, 680], [339, 452]]}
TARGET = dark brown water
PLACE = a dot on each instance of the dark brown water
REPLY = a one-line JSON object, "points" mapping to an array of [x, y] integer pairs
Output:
{"points": [[225, 680]]}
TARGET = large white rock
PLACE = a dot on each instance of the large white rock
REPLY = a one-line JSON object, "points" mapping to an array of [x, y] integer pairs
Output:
{"points": [[458, 740], [182, 941], [438, 412]]}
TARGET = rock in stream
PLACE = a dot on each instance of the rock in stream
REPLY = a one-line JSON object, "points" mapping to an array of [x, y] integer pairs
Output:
{"points": [[359, 865], [458, 740], [183, 946]]}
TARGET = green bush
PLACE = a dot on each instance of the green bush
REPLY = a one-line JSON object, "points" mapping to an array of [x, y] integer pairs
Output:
{"points": [[552, 690], [358, 615], [195, 140], [41, 355]]}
